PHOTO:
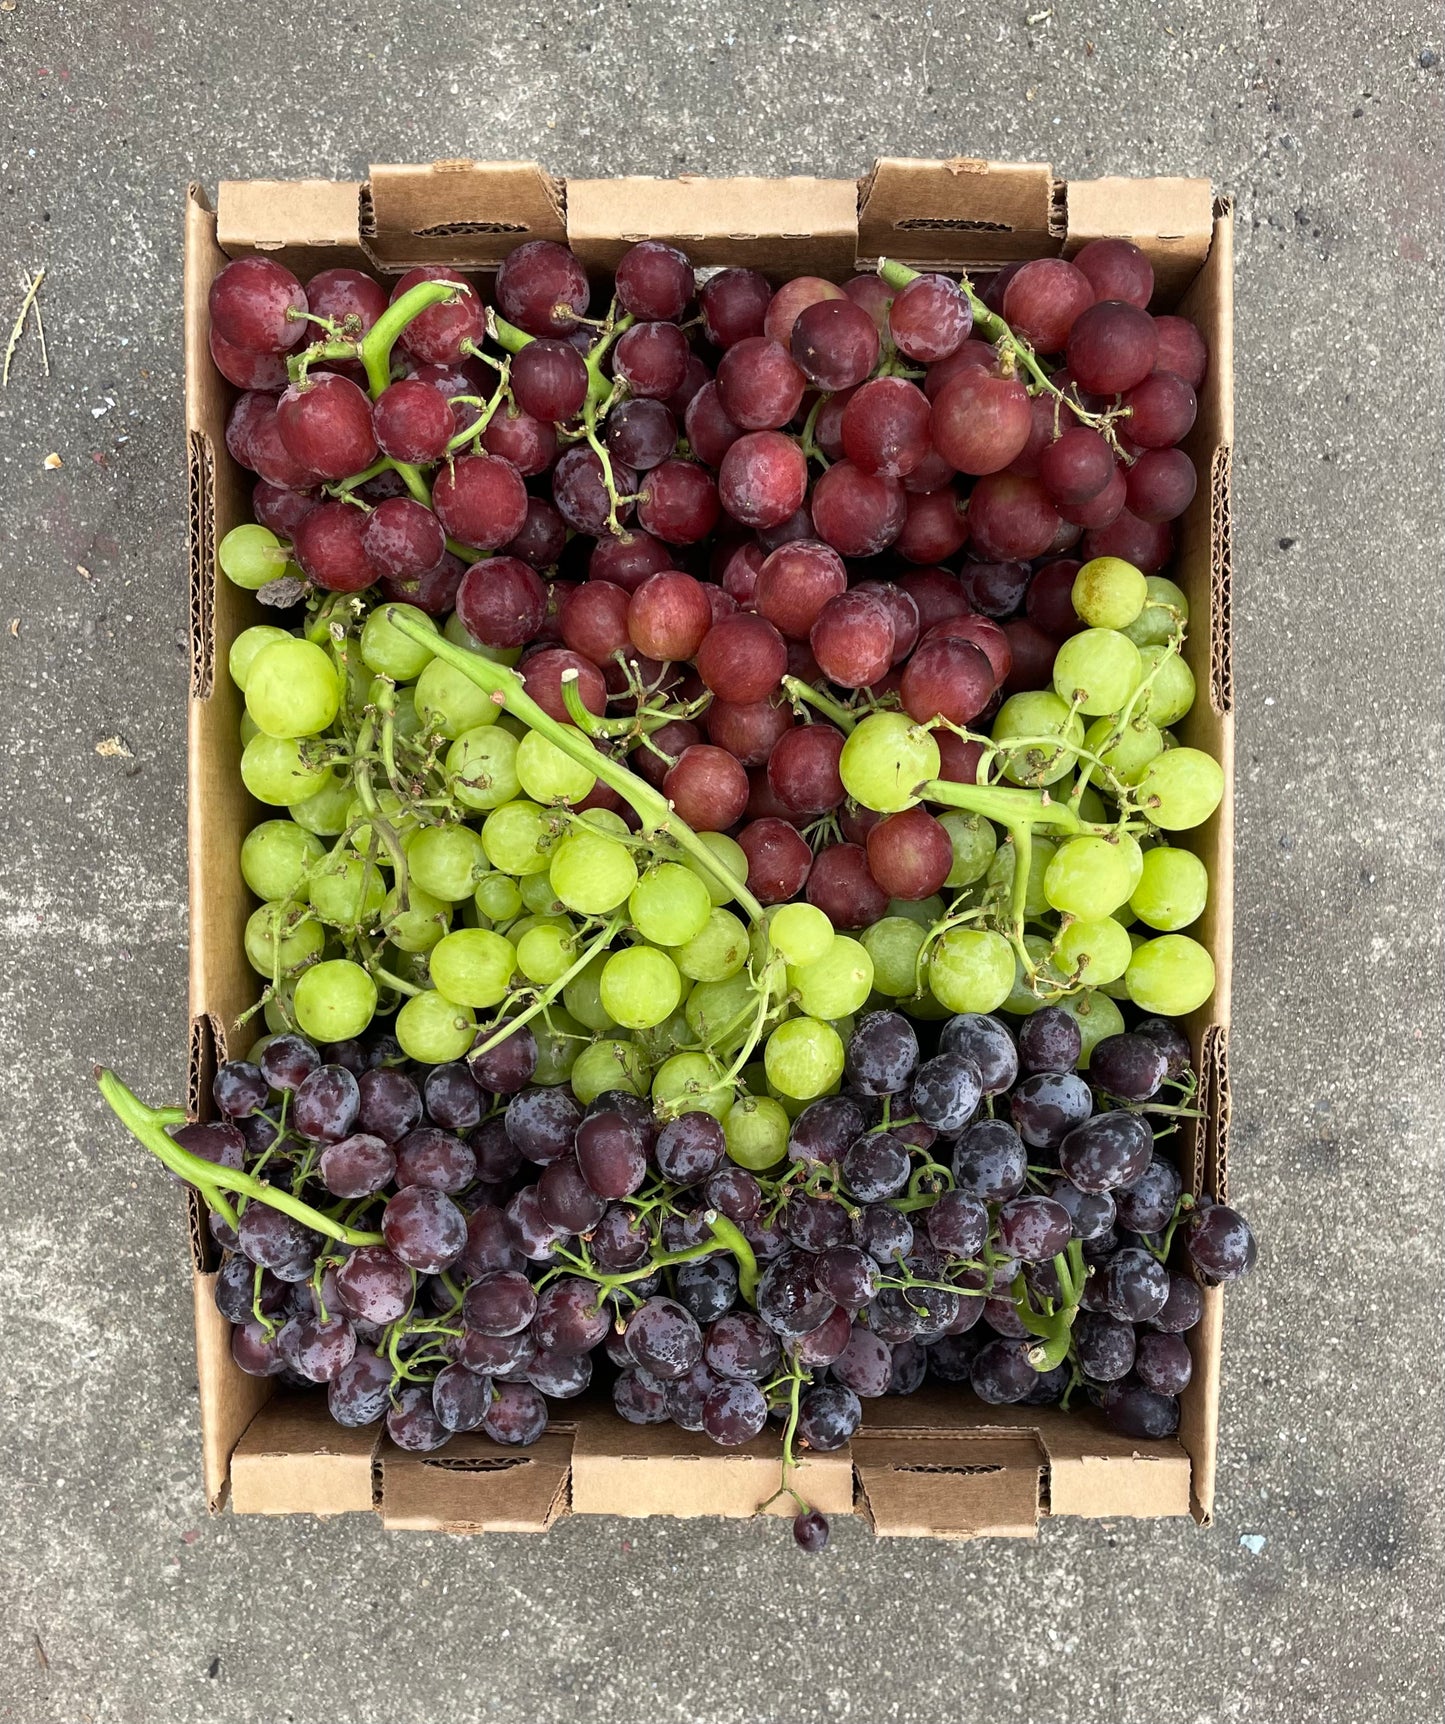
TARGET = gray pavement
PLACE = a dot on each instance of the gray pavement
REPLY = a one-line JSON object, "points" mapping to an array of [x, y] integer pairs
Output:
{"points": [[119, 1600]]}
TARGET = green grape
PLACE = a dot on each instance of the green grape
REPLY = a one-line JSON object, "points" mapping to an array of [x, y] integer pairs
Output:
{"points": [[834, 985], [482, 768], [1181, 789], [1095, 951], [546, 951], [497, 898], [447, 861], [249, 728], [801, 933], [278, 1014], [292, 688], [473, 966], [276, 857], [688, 1083], [247, 647], [275, 770], [279, 938], [1171, 694], [1171, 975], [756, 1131], [669, 905], [335, 1001], [923, 1005], [402, 820], [1132, 749], [560, 1042], [420, 925], [1038, 714], [719, 951], [517, 838], [1172, 891], [721, 1013], [606, 820], [1120, 990], [608, 1065], [347, 892], [549, 775], [733, 858], [924, 911], [1109, 593], [1001, 874], [665, 1038], [433, 1029], [894, 944], [583, 997], [639, 987], [1097, 670], [386, 649], [457, 633], [1165, 610], [251, 556], [1022, 1000], [803, 1057], [1096, 1015], [971, 970], [404, 719], [590, 872], [974, 842], [449, 703], [1089, 876], [324, 811], [885, 761], [536, 892]]}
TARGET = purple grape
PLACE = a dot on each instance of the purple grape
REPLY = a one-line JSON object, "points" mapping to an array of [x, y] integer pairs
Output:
{"points": [[1138, 1412], [640, 1398], [507, 1067], [390, 1104], [460, 1398], [1107, 1150], [1001, 1372], [823, 1131], [1047, 1106], [571, 1318], [951, 1359], [707, 1288], [877, 1165], [883, 1233], [1103, 1346], [828, 1415], [1166, 1034], [741, 1347], [542, 1123], [815, 1223], [357, 1166], [847, 1275], [452, 1098], [560, 1376], [734, 1413], [287, 1060], [1131, 1067], [1092, 1213], [517, 1415], [909, 1368], [1182, 1309], [411, 1421], [685, 1396], [1049, 1041], [360, 1393], [733, 1192], [239, 1088], [255, 1352], [325, 1105], [438, 1159], [1136, 1285], [424, 1228], [1147, 1205], [1033, 1228], [1162, 1363], [373, 1286], [1220, 1244], [277, 1242], [866, 1363], [958, 1224], [882, 1053], [664, 1339], [789, 1299], [216, 1141], [690, 1148], [988, 1043], [947, 1091], [810, 1532]]}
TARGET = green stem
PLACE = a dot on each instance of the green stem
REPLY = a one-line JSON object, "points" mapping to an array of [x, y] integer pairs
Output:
{"points": [[382, 336], [800, 692], [1008, 806], [550, 993]]}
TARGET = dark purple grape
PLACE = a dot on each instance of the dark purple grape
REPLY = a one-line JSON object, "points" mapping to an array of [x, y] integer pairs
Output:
{"points": [[1107, 1151], [823, 1131], [258, 1132], [990, 1162], [424, 1228], [1047, 1106], [848, 1275], [411, 1421], [610, 1155], [277, 1242], [1033, 1228], [1092, 1213], [1048, 1387], [1001, 1373], [438, 1159], [357, 1166], [493, 1355], [1049, 1041], [287, 1060], [876, 1166], [640, 1398], [866, 1363], [373, 1286], [822, 1345], [1136, 1285], [239, 1088], [566, 1200], [460, 1398], [908, 1369], [1002, 1316], [1162, 1363], [542, 1122], [1103, 1346], [560, 1376], [685, 1396], [1131, 1067], [828, 1415], [958, 1224], [390, 1104], [452, 1097], [741, 1347], [535, 1236], [734, 1413], [1138, 1412], [236, 1293], [571, 1318], [216, 1141], [815, 1223], [690, 1148], [663, 1338], [951, 1359], [988, 1044], [500, 1304], [619, 1240], [1182, 1309], [947, 1091], [325, 1105], [1166, 1034], [360, 1393], [883, 1233], [789, 1299], [1220, 1244], [517, 1415], [491, 1244], [708, 1288], [255, 1352], [507, 1067], [881, 1053], [733, 1192], [810, 1532], [1147, 1204]]}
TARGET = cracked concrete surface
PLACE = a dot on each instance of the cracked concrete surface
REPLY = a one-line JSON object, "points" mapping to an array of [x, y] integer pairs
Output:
{"points": [[119, 1600]]}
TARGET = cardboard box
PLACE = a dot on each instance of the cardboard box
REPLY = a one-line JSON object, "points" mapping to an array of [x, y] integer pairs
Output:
{"points": [[934, 1464]]}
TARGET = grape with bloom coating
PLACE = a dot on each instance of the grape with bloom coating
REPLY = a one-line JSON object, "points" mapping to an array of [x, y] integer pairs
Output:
{"points": [[886, 760]]}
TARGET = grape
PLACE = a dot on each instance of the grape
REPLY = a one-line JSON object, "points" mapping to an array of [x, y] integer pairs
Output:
{"points": [[824, 1131], [742, 659], [687, 1082], [571, 1317], [473, 966], [1172, 891], [325, 1104], [256, 304], [980, 422], [834, 342], [1049, 1041], [733, 305], [424, 1228], [1097, 670], [909, 854], [1161, 485], [662, 1337], [930, 319], [254, 440], [480, 500], [779, 861], [277, 1242], [1219, 1245], [804, 1057], [796, 582], [710, 432], [1118, 269], [412, 422], [947, 678], [542, 1123], [894, 944], [502, 602], [1135, 1284], [357, 1166], [1180, 788], [668, 615], [591, 872], [707, 787], [876, 1167], [482, 765], [549, 775], [995, 589], [325, 423], [217, 1142], [885, 761], [276, 857], [741, 1348], [549, 380], [858, 513], [1162, 1363], [810, 1531], [434, 1029], [640, 987], [542, 288], [347, 891], [1103, 1346], [1107, 1151], [988, 1044], [281, 941], [1038, 714], [517, 1415], [641, 434], [881, 1054], [1172, 975], [1001, 1372], [828, 1416], [650, 359], [708, 1288], [653, 281], [803, 769], [1181, 349], [247, 368], [434, 592], [1094, 951], [759, 385], [1148, 546], [334, 1000], [292, 688], [1043, 299], [1170, 693], [835, 984], [1111, 347], [1090, 876], [789, 1300], [1161, 410], [958, 1224], [841, 886], [250, 556], [639, 1398], [947, 1091], [1147, 1203], [885, 427], [239, 1089], [1182, 1309], [883, 1233], [690, 1148], [1047, 1106], [669, 905], [256, 1351], [449, 703], [849, 1275], [971, 970]]}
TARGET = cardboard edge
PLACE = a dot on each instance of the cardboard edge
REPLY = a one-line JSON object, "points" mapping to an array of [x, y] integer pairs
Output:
{"points": [[475, 1486], [230, 1400], [1170, 218], [292, 1459], [1199, 1408], [457, 211], [952, 1487], [959, 213]]}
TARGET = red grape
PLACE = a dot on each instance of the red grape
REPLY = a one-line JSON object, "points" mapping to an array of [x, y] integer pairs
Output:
{"points": [[984, 632], [841, 886], [1181, 350], [480, 500], [1100, 509], [935, 528], [593, 620], [255, 303], [852, 639], [779, 860], [974, 354], [902, 608], [435, 336], [707, 787], [412, 422], [679, 502], [542, 677], [1161, 485], [1112, 347], [350, 299], [543, 536], [580, 492], [740, 573], [947, 678], [734, 303], [758, 384], [653, 281], [1041, 302], [325, 424], [858, 513], [247, 368], [1161, 410], [435, 592], [331, 549], [910, 854], [799, 525], [885, 426], [763, 478], [641, 433], [930, 319], [542, 288], [1010, 517], [748, 732], [937, 594], [995, 589], [794, 584], [502, 602], [628, 559], [710, 433], [253, 438], [529, 444], [958, 758], [980, 423], [764, 803], [1147, 545], [668, 616], [1032, 652], [742, 658], [1050, 599], [281, 510], [1076, 466], [668, 744], [803, 769], [549, 379], [651, 359], [791, 300], [696, 373], [1117, 269], [835, 343], [403, 539], [873, 294]]}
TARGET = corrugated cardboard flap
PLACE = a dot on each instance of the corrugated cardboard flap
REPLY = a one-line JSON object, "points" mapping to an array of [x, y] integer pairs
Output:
{"points": [[975, 1485], [459, 212], [958, 212], [1097, 1474], [638, 1470], [230, 1399], [1171, 220], [317, 223], [1199, 1405], [475, 1485], [783, 227], [294, 1459]]}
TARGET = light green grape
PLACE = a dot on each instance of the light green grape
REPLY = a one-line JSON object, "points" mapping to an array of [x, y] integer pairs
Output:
{"points": [[536, 892], [549, 775], [335, 1001], [804, 1057], [924, 1006], [583, 997], [447, 861], [324, 811], [1171, 694], [247, 647], [608, 1065], [1089, 876], [733, 858], [1181, 789], [278, 939], [546, 951], [418, 927], [590, 872], [1001, 874], [719, 951], [640, 987], [1098, 668], [403, 821], [276, 858], [1038, 714], [924, 911], [1172, 891], [292, 688], [560, 1042], [669, 905], [606, 820], [275, 771], [1165, 609], [971, 969], [347, 892], [756, 1131], [1132, 749], [279, 1012], [974, 842], [1171, 975], [473, 966], [894, 944], [1109, 593], [1095, 951], [386, 649], [251, 556], [449, 703], [433, 1029], [665, 1039], [1022, 1000], [801, 933], [836, 984], [688, 1083], [497, 898], [482, 768], [517, 838], [249, 728], [1096, 1015], [885, 761], [1119, 990], [720, 1013]]}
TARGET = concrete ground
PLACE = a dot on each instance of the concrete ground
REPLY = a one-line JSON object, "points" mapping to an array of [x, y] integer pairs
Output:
{"points": [[1317, 1596]]}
